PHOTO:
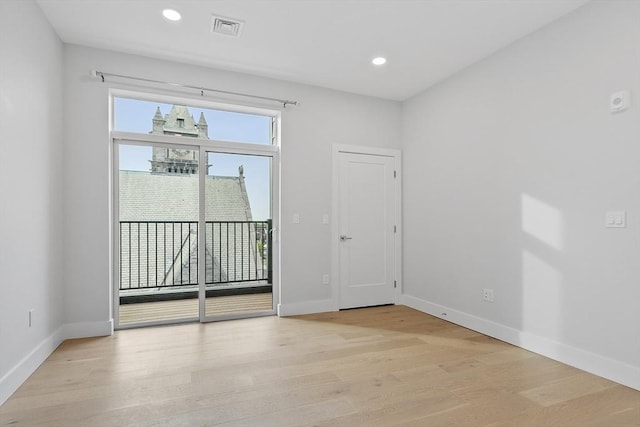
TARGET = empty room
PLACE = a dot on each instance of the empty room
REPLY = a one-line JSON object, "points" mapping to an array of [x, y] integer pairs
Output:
{"points": [[320, 212]]}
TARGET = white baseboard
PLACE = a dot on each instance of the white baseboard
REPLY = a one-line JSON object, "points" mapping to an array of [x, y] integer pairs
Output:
{"points": [[27, 366], [88, 329], [306, 307], [593, 363]]}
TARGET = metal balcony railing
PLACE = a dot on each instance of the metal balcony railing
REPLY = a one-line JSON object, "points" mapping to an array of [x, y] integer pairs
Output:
{"points": [[161, 254]]}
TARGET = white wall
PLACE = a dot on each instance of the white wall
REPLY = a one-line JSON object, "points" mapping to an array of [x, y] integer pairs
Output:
{"points": [[509, 168], [31, 238], [324, 117]]}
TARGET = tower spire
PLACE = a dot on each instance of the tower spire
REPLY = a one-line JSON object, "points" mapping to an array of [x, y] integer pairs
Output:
{"points": [[158, 115], [203, 127], [158, 122]]}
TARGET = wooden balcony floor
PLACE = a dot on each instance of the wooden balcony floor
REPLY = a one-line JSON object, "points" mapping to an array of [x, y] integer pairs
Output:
{"points": [[188, 308]]}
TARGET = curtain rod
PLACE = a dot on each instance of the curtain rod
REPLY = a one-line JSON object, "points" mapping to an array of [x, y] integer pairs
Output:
{"points": [[284, 102]]}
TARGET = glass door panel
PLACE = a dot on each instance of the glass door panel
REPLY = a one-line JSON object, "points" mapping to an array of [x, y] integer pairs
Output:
{"points": [[157, 233], [238, 223]]}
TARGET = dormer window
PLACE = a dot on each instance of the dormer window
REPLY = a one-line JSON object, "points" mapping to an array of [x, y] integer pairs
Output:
{"points": [[181, 123]]}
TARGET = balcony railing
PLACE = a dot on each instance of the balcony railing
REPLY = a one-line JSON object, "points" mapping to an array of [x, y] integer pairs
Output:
{"points": [[162, 254]]}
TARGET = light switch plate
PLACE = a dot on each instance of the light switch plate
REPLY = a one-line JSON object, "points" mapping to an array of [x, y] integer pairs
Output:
{"points": [[615, 219]]}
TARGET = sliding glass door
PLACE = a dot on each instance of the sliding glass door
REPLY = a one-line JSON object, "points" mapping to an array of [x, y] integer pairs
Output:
{"points": [[238, 224], [169, 199], [157, 233]]}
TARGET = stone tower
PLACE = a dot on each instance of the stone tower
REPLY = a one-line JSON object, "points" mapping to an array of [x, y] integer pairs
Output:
{"points": [[181, 123]]}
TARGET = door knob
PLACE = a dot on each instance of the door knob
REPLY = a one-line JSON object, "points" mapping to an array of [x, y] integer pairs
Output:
{"points": [[344, 238]]}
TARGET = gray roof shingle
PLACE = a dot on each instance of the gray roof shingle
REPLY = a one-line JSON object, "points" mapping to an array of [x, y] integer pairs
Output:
{"points": [[167, 197]]}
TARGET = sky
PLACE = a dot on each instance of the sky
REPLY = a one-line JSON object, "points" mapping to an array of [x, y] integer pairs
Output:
{"points": [[136, 116]]}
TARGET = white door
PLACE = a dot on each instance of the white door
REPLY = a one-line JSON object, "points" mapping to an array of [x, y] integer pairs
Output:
{"points": [[366, 230]]}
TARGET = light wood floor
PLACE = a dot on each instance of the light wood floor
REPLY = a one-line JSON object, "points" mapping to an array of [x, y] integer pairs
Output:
{"points": [[380, 366], [188, 308]]}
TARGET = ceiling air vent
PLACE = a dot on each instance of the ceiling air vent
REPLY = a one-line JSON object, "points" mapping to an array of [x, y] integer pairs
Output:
{"points": [[227, 26]]}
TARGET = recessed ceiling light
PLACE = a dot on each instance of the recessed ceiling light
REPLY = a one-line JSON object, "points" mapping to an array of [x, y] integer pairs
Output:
{"points": [[379, 61], [171, 14]]}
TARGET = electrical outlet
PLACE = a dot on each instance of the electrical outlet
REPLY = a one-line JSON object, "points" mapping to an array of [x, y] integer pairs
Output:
{"points": [[487, 295], [325, 279]]}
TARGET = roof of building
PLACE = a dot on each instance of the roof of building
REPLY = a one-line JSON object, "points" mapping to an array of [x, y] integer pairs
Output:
{"points": [[174, 197]]}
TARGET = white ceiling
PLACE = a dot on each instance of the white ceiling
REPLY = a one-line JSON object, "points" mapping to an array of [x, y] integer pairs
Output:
{"points": [[328, 43]]}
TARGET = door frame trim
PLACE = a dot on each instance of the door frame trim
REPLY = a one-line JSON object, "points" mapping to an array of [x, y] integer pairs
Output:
{"points": [[336, 150]]}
